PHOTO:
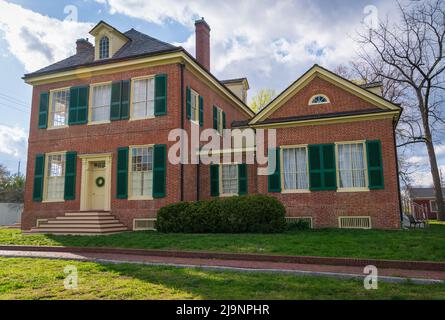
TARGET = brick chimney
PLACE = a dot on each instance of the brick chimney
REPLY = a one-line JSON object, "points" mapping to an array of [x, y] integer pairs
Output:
{"points": [[202, 31], [82, 45]]}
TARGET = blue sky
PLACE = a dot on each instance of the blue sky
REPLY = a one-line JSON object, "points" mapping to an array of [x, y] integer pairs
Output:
{"points": [[270, 42]]}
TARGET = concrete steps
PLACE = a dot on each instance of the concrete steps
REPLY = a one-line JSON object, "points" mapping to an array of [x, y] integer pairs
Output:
{"points": [[81, 223]]}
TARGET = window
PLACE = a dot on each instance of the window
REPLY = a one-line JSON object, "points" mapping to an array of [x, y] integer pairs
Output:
{"points": [[319, 99], [55, 177], [229, 179], [433, 205], [59, 108], [104, 48], [141, 174], [295, 169], [352, 173], [219, 121], [143, 98], [100, 104], [194, 104]]}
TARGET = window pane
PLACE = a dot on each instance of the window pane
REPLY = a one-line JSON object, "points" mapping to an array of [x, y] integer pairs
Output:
{"points": [[195, 107], [351, 165], [143, 98], [141, 171], [55, 177], [230, 179], [295, 168], [59, 107], [100, 110]]}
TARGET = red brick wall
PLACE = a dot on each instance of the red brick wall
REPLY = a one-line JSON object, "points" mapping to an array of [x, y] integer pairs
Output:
{"points": [[340, 101], [425, 203], [326, 206]]}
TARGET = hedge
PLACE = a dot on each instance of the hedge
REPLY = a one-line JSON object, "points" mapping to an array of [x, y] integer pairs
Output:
{"points": [[245, 214]]}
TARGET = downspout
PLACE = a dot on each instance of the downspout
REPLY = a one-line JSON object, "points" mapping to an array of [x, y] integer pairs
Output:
{"points": [[181, 187]]}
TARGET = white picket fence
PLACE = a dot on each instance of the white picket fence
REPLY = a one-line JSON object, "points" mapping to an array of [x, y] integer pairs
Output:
{"points": [[10, 213]]}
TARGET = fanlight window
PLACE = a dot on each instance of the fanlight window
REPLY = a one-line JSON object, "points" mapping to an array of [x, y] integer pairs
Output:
{"points": [[319, 99], [104, 48]]}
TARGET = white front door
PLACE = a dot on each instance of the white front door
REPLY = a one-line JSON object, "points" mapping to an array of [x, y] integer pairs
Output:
{"points": [[97, 185]]}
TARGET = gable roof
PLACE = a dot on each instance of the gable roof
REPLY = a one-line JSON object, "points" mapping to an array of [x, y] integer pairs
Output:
{"points": [[139, 44], [423, 192], [334, 78]]}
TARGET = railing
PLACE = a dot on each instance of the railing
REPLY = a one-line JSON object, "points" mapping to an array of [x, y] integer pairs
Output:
{"points": [[419, 212]]}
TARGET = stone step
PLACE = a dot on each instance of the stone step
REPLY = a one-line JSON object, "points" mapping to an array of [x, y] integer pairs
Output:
{"points": [[94, 221], [104, 218], [78, 230], [80, 225], [86, 214]]}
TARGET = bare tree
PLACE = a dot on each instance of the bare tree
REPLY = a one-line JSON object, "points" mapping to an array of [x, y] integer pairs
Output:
{"points": [[411, 53]]}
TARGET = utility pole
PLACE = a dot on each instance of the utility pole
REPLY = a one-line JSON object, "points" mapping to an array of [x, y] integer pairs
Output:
{"points": [[18, 169]]}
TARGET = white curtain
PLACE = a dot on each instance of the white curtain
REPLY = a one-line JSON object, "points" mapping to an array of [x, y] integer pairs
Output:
{"points": [[101, 103], [55, 177], [142, 171], [143, 98], [351, 165], [295, 169], [229, 179], [59, 106]]}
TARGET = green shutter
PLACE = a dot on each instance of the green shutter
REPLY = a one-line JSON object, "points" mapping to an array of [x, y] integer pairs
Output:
{"points": [[122, 173], [224, 120], [214, 180], [242, 179], [188, 103], [70, 175], [43, 110], [375, 164], [39, 172], [115, 105], [159, 170], [329, 167], [274, 180], [74, 101], [322, 167], [125, 100], [78, 109], [201, 111], [160, 95], [82, 107], [215, 118]]}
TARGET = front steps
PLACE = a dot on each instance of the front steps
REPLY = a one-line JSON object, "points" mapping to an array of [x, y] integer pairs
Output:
{"points": [[87, 223]]}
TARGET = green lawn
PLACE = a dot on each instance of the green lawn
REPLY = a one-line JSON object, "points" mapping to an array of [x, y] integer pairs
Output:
{"points": [[428, 244], [44, 279]]}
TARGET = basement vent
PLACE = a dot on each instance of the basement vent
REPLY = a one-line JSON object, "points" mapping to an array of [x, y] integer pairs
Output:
{"points": [[39, 222], [144, 224], [296, 219], [354, 222]]}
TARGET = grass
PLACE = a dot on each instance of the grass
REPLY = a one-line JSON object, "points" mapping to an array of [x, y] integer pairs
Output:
{"points": [[22, 278], [421, 244]]}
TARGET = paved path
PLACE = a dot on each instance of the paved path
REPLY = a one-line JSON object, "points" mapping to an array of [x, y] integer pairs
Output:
{"points": [[388, 275]]}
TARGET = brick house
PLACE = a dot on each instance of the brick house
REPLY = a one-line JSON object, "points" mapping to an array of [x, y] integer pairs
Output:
{"points": [[424, 198], [99, 139]]}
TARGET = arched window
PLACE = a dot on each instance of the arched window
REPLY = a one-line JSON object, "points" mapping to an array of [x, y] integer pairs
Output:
{"points": [[104, 48], [319, 99]]}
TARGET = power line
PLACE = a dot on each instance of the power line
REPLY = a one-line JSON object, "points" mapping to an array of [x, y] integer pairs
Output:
{"points": [[16, 108], [14, 98], [10, 100]]}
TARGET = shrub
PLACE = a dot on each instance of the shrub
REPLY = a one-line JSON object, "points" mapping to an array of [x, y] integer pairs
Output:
{"points": [[245, 214], [298, 225]]}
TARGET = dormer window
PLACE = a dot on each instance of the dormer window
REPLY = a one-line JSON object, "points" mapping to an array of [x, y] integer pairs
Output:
{"points": [[319, 99], [104, 48]]}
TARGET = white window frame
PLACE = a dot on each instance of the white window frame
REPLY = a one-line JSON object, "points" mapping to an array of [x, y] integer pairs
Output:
{"points": [[221, 193], [45, 181], [194, 116], [282, 148], [130, 172], [365, 163], [133, 80], [101, 48], [311, 103], [90, 111], [50, 108], [219, 117]]}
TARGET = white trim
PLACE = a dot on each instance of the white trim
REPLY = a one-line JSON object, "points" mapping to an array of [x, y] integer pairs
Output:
{"points": [[365, 164], [132, 80], [310, 103], [130, 170], [287, 191], [221, 194]]}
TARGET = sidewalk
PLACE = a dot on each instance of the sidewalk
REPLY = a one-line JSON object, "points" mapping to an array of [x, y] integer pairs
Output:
{"points": [[337, 271]]}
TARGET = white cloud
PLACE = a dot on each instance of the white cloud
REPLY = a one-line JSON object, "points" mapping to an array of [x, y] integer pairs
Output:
{"points": [[13, 141], [294, 34], [38, 40]]}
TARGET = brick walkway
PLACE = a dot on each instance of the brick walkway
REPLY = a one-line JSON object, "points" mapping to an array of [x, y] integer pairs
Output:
{"points": [[387, 274]]}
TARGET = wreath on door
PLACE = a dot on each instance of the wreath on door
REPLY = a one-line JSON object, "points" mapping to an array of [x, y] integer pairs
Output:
{"points": [[100, 182]]}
